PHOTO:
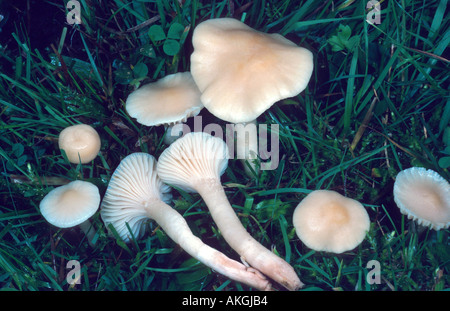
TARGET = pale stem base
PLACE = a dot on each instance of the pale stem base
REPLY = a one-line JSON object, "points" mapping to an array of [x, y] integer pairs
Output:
{"points": [[89, 231], [172, 134], [176, 227], [231, 228], [247, 147]]}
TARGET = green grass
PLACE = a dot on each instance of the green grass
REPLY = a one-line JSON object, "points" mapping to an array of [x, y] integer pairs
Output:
{"points": [[378, 102]]}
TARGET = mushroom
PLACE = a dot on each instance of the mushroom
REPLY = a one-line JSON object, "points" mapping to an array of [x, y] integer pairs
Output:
{"points": [[424, 196], [80, 142], [72, 205], [135, 194], [242, 72], [168, 101], [327, 221], [194, 163]]}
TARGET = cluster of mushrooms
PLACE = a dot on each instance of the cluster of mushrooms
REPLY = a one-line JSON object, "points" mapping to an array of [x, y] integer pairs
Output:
{"points": [[236, 85]]}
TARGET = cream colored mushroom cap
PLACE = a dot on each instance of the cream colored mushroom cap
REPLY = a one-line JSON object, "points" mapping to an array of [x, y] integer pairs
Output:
{"points": [[70, 205], [327, 221], [167, 101], [195, 156], [132, 188], [80, 141], [424, 196], [242, 72]]}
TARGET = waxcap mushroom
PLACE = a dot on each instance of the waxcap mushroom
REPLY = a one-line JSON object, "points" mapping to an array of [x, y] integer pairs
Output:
{"points": [[167, 101], [80, 142], [206, 156], [136, 194], [72, 205], [327, 221], [132, 187], [242, 72], [424, 196], [195, 163]]}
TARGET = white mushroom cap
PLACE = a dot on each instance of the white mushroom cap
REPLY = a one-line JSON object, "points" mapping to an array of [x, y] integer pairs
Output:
{"points": [[133, 186], [327, 221], [424, 196], [195, 156], [71, 204], [167, 101], [136, 193], [242, 72], [80, 141]]}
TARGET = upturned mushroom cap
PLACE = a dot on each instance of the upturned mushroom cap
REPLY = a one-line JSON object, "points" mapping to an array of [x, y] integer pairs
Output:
{"points": [[167, 101], [242, 72], [80, 142], [133, 186], [196, 156], [424, 196], [71, 204], [136, 193], [327, 221]]}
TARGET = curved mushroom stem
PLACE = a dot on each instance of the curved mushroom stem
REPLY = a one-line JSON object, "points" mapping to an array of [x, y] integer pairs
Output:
{"points": [[247, 147], [173, 132], [231, 228], [89, 231], [178, 230]]}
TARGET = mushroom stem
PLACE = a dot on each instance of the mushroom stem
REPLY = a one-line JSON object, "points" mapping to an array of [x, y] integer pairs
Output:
{"points": [[176, 227], [231, 228], [172, 133], [89, 231], [247, 147]]}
